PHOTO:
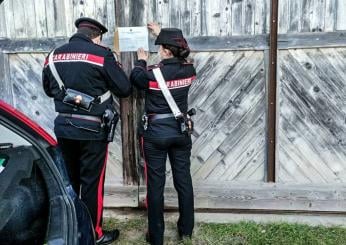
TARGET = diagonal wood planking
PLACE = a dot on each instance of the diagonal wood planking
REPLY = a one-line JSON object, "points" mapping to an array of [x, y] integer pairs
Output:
{"points": [[25, 71], [312, 109], [229, 96]]}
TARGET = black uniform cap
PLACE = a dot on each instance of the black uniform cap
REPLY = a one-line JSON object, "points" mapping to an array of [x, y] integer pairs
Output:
{"points": [[172, 36], [90, 23]]}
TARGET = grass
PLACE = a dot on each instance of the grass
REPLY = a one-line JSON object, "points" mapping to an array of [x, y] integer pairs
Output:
{"points": [[133, 231]]}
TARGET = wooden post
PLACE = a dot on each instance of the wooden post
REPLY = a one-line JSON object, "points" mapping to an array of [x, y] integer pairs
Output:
{"points": [[271, 125], [128, 106]]}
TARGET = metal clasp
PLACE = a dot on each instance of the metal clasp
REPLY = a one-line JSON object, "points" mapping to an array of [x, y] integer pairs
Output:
{"points": [[145, 121]]}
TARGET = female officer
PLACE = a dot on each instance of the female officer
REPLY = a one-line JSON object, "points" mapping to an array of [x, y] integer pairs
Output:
{"points": [[162, 134]]}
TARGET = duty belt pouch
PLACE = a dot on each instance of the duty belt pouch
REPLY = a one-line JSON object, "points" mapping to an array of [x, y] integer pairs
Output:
{"points": [[73, 97], [78, 99]]}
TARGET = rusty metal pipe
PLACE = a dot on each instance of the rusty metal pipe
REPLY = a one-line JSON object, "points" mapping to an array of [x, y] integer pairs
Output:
{"points": [[271, 116]]}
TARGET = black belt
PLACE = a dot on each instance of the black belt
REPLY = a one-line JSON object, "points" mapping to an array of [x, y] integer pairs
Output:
{"points": [[84, 117], [153, 117]]}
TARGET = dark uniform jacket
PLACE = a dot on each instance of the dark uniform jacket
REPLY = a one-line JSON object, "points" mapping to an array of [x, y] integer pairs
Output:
{"points": [[90, 69], [179, 76]]}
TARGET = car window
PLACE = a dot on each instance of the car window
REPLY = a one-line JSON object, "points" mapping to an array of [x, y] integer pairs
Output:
{"points": [[7, 136]]}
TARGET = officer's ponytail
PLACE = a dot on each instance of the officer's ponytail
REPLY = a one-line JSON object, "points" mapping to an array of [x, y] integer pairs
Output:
{"points": [[181, 53]]}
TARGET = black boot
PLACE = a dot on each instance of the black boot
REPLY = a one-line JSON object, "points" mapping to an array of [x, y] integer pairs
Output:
{"points": [[108, 237], [147, 237]]}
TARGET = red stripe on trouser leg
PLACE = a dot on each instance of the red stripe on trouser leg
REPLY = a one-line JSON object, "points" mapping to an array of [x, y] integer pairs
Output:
{"points": [[145, 172], [98, 227]]}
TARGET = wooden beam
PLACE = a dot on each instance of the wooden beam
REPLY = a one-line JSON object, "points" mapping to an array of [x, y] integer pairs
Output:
{"points": [[201, 43], [312, 40], [128, 106], [5, 81], [214, 43], [120, 196], [235, 197]]}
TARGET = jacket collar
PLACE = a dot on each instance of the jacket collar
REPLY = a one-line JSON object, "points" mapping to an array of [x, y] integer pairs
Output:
{"points": [[80, 37], [171, 61]]}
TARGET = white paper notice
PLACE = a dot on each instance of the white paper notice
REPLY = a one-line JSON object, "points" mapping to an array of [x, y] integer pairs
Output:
{"points": [[133, 38]]}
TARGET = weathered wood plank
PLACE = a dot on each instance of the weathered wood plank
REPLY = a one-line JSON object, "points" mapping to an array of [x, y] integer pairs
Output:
{"points": [[5, 81], [40, 19], [210, 43], [19, 19], [162, 8], [78, 9], [219, 19], [232, 195], [318, 16], [202, 43], [255, 169], [237, 17], [187, 9], [29, 18], [175, 13], [312, 128], [311, 40], [196, 16], [69, 21], [294, 16], [262, 17], [341, 17], [100, 12], [330, 15], [306, 16], [229, 93], [56, 25], [89, 8], [111, 16], [3, 30], [120, 196], [249, 17], [283, 24], [244, 151], [217, 116]]}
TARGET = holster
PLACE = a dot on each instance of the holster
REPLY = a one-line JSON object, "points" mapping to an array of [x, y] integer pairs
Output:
{"points": [[78, 99], [110, 120], [186, 124]]}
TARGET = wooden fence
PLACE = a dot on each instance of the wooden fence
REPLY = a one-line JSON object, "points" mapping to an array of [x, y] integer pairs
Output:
{"points": [[230, 42]]}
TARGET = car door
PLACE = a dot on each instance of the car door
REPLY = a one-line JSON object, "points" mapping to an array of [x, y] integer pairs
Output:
{"points": [[37, 202]]}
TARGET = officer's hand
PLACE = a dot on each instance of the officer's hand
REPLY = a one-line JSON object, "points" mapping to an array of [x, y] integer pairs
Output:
{"points": [[154, 28], [142, 55]]}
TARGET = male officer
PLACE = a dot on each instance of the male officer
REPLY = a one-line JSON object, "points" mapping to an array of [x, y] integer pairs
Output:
{"points": [[81, 76]]}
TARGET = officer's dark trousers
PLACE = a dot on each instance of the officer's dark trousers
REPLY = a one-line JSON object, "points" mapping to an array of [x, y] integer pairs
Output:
{"points": [[155, 154], [86, 165]]}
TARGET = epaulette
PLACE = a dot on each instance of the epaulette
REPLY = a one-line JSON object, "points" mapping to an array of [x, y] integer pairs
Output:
{"points": [[149, 68]]}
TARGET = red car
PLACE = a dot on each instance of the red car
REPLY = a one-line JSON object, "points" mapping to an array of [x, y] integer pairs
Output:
{"points": [[37, 202]]}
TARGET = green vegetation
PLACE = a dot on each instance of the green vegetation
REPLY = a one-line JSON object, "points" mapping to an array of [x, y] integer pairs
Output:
{"points": [[133, 231]]}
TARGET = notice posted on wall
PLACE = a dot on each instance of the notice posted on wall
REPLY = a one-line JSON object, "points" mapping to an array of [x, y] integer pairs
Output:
{"points": [[130, 39]]}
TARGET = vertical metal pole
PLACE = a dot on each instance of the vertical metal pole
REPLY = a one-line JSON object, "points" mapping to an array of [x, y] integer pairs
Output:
{"points": [[271, 132]]}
